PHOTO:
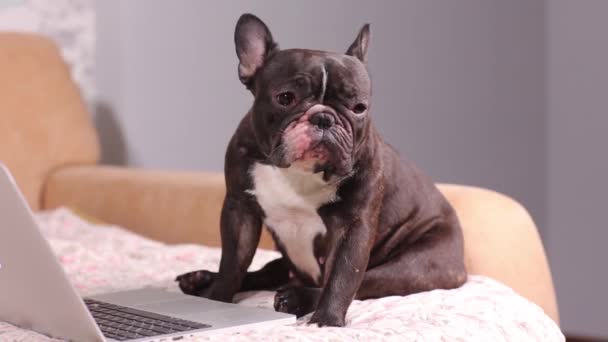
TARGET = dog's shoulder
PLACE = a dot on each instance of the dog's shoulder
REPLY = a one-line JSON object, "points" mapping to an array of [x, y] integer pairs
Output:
{"points": [[242, 152]]}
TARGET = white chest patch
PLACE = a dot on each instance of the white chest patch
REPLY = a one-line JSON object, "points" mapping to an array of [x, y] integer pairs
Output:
{"points": [[290, 199]]}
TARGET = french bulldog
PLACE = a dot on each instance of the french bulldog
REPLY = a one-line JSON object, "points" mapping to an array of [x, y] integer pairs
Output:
{"points": [[350, 217]]}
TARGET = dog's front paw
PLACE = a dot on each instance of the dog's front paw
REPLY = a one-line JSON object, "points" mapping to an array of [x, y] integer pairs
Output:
{"points": [[295, 300], [195, 283], [287, 300], [323, 318]]}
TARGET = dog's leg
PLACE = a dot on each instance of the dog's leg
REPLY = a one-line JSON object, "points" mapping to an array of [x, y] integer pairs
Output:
{"points": [[346, 267], [351, 232], [241, 228], [433, 262], [273, 275]]}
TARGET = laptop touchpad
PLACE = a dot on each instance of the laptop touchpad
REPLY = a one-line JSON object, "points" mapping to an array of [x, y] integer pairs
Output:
{"points": [[184, 306]]}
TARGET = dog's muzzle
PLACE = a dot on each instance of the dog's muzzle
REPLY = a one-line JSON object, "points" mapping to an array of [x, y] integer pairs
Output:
{"points": [[316, 139]]}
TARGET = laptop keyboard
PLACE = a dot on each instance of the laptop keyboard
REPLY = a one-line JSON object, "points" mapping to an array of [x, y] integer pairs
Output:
{"points": [[122, 323]]}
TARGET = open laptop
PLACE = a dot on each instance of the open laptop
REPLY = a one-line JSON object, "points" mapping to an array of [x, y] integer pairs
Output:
{"points": [[36, 294]]}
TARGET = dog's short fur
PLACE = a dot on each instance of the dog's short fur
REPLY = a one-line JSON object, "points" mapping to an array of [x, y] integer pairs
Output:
{"points": [[351, 219]]}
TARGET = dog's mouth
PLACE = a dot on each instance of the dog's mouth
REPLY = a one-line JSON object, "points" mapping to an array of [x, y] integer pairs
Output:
{"points": [[313, 147], [318, 152], [315, 159]]}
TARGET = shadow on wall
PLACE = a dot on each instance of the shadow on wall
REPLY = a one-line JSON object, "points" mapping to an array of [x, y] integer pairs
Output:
{"points": [[111, 136]]}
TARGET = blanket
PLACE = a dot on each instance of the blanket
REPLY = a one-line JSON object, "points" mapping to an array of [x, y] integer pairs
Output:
{"points": [[103, 258]]}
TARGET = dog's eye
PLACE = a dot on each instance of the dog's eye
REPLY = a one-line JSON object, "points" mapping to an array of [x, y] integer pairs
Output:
{"points": [[359, 108], [286, 98]]}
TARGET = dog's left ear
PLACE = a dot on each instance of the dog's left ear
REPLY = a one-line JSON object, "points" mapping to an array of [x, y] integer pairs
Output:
{"points": [[254, 44], [359, 47]]}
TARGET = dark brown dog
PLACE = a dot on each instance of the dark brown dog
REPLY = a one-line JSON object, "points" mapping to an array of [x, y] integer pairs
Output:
{"points": [[351, 219]]}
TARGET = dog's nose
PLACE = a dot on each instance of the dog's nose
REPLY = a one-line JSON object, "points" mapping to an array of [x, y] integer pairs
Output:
{"points": [[322, 120]]}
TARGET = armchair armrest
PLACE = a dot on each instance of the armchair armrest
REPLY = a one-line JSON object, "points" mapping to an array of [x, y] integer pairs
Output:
{"points": [[170, 206], [502, 242]]}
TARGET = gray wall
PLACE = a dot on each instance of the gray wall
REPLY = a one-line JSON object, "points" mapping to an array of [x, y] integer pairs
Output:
{"points": [[577, 124], [457, 89]]}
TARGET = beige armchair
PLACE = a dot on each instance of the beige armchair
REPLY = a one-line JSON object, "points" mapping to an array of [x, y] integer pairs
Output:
{"points": [[49, 143]]}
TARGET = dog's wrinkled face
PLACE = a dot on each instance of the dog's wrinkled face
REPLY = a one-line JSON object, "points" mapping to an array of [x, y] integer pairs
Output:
{"points": [[311, 107]]}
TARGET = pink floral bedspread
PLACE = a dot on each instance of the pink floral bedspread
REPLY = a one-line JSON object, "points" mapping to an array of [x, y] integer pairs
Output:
{"points": [[100, 258]]}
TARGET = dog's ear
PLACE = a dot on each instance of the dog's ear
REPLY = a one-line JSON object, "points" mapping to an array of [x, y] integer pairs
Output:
{"points": [[254, 44], [359, 47]]}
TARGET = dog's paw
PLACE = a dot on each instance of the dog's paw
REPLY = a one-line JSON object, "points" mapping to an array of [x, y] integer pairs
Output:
{"points": [[287, 300], [194, 283], [295, 300], [325, 319]]}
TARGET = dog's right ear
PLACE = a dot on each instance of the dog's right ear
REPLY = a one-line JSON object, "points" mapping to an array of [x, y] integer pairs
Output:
{"points": [[359, 47], [254, 44]]}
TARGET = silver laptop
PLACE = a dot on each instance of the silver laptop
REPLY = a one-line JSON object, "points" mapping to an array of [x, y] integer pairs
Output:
{"points": [[36, 294]]}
